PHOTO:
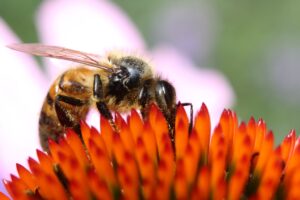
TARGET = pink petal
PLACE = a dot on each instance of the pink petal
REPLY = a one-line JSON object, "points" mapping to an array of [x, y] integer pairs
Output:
{"points": [[194, 84], [93, 26], [21, 87]]}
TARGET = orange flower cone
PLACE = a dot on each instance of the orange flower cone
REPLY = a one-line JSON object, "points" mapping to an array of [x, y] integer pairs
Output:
{"points": [[141, 162]]}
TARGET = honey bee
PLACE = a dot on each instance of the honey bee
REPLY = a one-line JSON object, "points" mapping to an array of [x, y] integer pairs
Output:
{"points": [[114, 82]]}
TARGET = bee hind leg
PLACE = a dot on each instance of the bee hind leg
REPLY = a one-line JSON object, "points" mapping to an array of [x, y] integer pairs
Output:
{"points": [[98, 94], [65, 117]]}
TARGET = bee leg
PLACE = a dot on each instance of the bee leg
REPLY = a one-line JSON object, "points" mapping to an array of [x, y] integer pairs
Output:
{"points": [[100, 103], [191, 114], [65, 117]]}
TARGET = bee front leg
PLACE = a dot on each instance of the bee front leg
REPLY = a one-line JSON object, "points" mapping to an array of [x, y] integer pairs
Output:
{"points": [[100, 103]]}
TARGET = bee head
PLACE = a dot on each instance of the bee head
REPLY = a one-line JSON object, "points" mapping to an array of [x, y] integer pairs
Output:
{"points": [[130, 72]]}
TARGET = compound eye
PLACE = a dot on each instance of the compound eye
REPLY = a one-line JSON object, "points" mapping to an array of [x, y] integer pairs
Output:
{"points": [[165, 93]]}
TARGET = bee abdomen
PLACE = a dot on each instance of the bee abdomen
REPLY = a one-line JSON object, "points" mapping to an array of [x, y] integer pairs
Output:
{"points": [[49, 126], [46, 120], [49, 99]]}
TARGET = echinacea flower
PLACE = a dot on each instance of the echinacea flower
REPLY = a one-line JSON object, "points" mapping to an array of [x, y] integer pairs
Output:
{"points": [[141, 161], [91, 26]]}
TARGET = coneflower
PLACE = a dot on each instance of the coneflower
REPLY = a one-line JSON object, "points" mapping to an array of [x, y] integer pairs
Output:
{"points": [[232, 161]]}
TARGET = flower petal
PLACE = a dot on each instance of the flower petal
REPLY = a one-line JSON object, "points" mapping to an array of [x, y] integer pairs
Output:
{"points": [[208, 85], [21, 87], [108, 166], [91, 26]]}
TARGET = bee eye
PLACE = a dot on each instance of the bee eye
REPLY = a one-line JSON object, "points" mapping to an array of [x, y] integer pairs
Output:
{"points": [[165, 94]]}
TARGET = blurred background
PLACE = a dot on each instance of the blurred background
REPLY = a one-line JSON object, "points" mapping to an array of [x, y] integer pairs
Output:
{"points": [[255, 44]]}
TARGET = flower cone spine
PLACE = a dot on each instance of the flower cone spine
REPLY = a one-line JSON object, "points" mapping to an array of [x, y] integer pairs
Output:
{"points": [[232, 161]]}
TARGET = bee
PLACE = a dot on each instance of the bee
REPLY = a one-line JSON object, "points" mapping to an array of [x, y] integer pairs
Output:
{"points": [[114, 82]]}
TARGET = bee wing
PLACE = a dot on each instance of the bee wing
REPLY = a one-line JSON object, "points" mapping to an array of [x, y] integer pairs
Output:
{"points": [[64, 54]]}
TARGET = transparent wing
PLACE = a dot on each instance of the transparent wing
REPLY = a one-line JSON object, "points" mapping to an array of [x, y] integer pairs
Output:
{"points": [[64, 54]]}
